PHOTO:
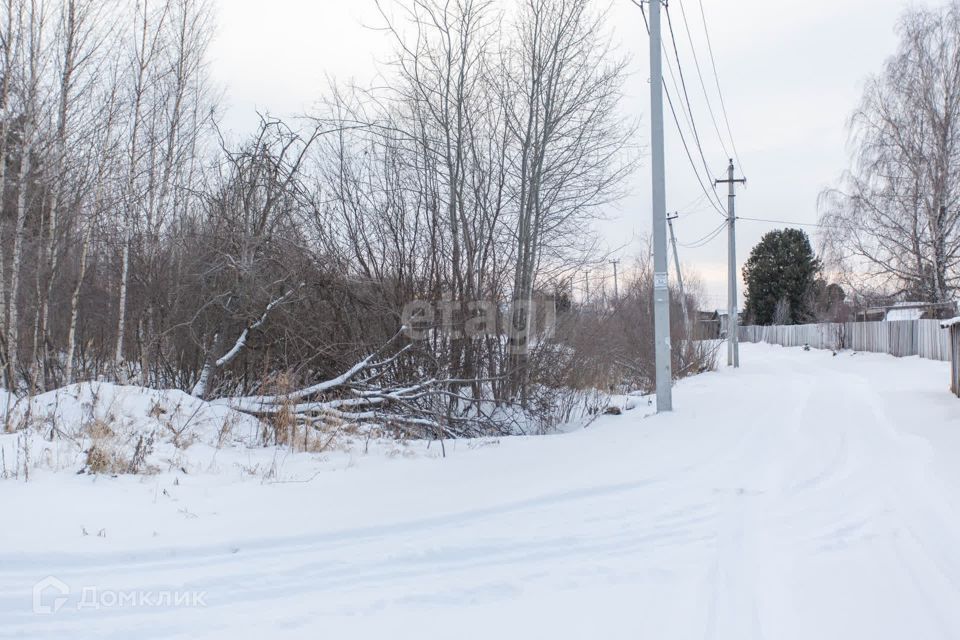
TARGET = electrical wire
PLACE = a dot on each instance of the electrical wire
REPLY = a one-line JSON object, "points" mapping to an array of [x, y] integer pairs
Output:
{"points": [[680, 87], [686, 97], [709, 193], [716, 77], [816, 225], [703, 85], [798, 224], [683, 140], [696, 244], [694, 206]]}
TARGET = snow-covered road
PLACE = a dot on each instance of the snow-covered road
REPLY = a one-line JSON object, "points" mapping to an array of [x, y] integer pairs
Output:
{"points": [[805, 496]]}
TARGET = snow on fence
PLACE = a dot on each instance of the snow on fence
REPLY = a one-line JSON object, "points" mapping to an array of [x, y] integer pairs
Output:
{"points": [[924, 338]]}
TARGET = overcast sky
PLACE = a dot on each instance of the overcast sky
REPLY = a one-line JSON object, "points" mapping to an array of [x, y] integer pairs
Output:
{"points": [[791, 72]]}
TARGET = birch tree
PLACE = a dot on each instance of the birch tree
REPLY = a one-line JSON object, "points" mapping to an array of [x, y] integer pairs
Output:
{"points": [[10, 44], [81, 40], [144, 48], [32, 24], [95, 204], [895, 218]]}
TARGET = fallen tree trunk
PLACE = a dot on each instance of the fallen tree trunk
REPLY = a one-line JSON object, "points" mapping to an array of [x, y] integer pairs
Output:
{"points": [[360, 396]]}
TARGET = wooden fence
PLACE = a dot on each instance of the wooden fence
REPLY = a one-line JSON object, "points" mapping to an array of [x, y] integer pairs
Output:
{"points": [[924, 338], [953, 327]]}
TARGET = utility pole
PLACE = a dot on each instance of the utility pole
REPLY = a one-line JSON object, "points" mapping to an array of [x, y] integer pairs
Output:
{"points": [[733, 340], [616, 282], [661, 291], [676, 262]]}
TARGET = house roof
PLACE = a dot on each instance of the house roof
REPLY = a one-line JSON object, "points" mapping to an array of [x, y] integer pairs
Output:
{"points": [[902, 312]]}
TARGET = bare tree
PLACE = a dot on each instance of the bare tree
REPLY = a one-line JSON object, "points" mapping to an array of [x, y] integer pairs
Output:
{"points": [[94, 205], [80, 45], [145, 47], [255, 209], [33, 22], [561, 90], [275, 273], [895, 220], [10, 43]]}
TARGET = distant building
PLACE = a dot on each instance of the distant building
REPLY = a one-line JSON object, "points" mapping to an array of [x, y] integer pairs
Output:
{"points": [[706, 326], [919, 311], [712, 325], [872, 314], [906, 311]]}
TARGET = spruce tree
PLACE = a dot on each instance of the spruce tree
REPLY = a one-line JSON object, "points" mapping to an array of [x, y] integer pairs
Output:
{"points": [[780, 276]]}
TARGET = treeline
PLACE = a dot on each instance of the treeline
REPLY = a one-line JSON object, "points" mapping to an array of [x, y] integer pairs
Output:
{"points": [[140, 245], [102, 111]]}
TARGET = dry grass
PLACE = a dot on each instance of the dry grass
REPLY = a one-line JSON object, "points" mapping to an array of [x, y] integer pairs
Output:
{"points": [[288, 429], [107, 452], [98, 429]]}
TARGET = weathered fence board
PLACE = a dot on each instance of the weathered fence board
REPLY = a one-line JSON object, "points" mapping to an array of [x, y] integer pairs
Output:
{"points": [[924, 338], [954, 345], [933, 340]]}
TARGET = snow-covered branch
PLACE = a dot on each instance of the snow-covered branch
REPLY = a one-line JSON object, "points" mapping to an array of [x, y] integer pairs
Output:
{"points": [[241, 342], [211, 366]]}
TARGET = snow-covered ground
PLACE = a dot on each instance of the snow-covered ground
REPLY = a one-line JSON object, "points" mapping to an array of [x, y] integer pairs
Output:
{"points": [[804, 496]]}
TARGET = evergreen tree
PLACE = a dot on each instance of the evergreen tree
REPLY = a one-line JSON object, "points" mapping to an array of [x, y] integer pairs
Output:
{"points": [[780, 276], [829, 302]]}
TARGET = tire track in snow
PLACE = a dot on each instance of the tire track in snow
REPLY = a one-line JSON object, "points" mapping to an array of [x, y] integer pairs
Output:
{"points": [[317, 570], [734, 607], [815, 481], [870, 468]]}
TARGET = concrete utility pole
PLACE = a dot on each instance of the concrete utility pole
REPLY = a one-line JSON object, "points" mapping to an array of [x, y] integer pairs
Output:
{"points": [[733, 340], [661, 292], [676, 262], [616, 282]]}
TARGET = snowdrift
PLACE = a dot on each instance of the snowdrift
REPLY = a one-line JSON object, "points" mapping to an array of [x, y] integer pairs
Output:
{"points": [[106, 428]]}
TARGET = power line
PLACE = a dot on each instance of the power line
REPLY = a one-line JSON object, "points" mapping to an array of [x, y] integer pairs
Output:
{"points": [[691, 121], [708, 193], [687, 117], [696, 202], [716, 77], [683, 140], [798, 224], [692, 212], [703, 85], [706, 240], [818, 225], [696, 244], [686, 97]]}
